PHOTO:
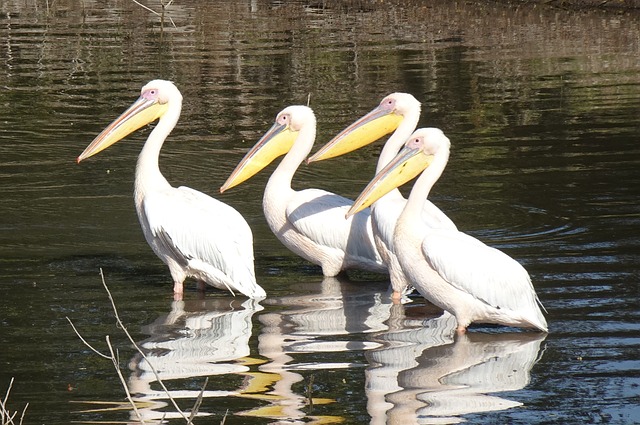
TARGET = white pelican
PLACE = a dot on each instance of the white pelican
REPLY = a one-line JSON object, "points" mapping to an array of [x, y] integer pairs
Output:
{"points": [[399, 112], [194, 234], [454, 271], [309, 222]]}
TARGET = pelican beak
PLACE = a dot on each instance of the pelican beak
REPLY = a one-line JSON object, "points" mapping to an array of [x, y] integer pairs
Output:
{"points": [[404, 167], [276, 142], [142, 112], [371, 127]]}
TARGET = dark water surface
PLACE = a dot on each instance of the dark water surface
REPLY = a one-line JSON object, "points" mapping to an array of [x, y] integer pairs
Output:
{"points": [[542, 108]]}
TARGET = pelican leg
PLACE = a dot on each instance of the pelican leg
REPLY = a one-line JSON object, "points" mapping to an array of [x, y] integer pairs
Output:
{"points": [[178, 287], [396, 297], [178, 291]]}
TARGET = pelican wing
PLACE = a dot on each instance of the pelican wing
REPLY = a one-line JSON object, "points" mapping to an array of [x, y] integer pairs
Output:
{"points": [[320, 216], [197, 229], [484, 272]]}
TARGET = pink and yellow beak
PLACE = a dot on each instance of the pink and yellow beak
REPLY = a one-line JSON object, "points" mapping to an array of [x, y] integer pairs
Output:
{"points": [[409, 163], [276, 142], [371, 127], [141, 113]]}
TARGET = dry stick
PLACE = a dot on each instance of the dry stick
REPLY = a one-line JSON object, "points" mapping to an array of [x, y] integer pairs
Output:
{"points": [[196, 405], [310, 392], [85, 342], [5, 415], [126, 332], [6, 397], [145, 7], [164, 6], [9, 417], [24, 411], [116, 365]]}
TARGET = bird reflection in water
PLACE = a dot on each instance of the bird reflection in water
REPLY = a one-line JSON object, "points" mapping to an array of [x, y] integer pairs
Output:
{"points": [[426, 373], [313, 324], [212, 337], [197, 338], [416, 370]]}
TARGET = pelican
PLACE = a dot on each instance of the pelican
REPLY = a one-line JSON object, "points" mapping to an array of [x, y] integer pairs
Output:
{"points": [[192, 233], [454, 271], [309, 222], [397, 112]]}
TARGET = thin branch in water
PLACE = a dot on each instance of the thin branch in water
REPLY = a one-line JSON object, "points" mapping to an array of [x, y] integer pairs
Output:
{"points": [[116, 364], [310, 392], [85, 342], [114, 357], [196, 406], [224, 419], [24, 411], [146, 8], [6, 417], [160, 14], [126, 332], [6, 397]]}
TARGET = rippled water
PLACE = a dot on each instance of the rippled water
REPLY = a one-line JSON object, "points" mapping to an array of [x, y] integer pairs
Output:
{"points": [[541, 106]]}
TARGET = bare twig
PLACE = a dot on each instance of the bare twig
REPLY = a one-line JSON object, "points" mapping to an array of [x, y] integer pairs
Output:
{"points": [[224, 419], [116, 364], [114, 357], [6, 417], [85, 342], [310, 392], [126, 332], [196, 406], [160, 14], [146, 8]]}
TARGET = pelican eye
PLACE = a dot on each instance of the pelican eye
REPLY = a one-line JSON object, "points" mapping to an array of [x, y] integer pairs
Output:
{"points": [[388, 104], [414, 143], [152, 94], [283, 119]]}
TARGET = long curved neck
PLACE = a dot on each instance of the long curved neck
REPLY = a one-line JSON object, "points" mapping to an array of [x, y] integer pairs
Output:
{"points": [[422, 186], [148, 175], [397, 139], [283, 175]]}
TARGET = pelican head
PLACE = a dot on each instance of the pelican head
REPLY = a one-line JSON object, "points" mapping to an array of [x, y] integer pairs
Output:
{"points": [[276, 142], [418, 153], [154, 101], [382, 120]]}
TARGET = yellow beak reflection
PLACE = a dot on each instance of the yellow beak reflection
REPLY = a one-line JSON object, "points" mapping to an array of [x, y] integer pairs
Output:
{"points": [[404, 167], [142, 112], [371, 127], [276, 142]]}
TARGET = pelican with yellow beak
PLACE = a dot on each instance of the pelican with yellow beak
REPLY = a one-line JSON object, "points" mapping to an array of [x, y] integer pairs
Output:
{"points": [[398, 113], [454, 271], [192, 233], [311, 222]]}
